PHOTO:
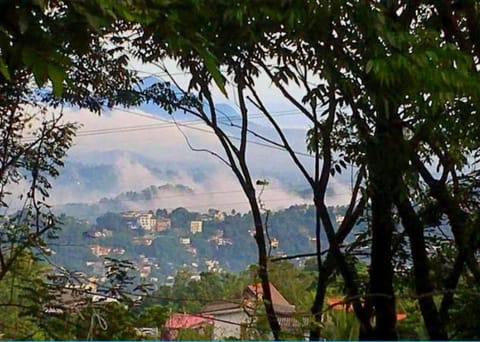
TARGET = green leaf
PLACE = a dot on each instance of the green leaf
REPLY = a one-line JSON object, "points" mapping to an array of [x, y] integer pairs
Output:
{"points": [[56, 75], [369, 66], [29, 57], [40, 73], [4, 69], [211, 63]]}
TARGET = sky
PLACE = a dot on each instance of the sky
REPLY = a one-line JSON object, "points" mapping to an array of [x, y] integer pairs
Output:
{"points": [[165, 145]]}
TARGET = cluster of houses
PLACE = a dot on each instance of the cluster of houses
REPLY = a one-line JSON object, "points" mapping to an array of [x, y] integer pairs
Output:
{"points": [[151, 225], [236, 318], [242, 318]]}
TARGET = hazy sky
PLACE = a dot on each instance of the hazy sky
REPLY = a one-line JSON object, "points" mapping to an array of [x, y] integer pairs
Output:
{"points": [[165, 144]]}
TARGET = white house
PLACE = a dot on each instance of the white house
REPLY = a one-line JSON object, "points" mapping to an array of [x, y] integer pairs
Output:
{"points": [[230, 319], [196, 227], [236, 318]]}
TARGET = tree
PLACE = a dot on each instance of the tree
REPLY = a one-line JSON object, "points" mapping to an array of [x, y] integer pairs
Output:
{"points": [[243, 63], [32, 150], [19, 293], [391, 103], [405, 74], [48, 53]]}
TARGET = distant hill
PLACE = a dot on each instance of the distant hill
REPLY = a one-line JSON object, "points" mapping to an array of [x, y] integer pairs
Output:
{"points": [[122, 202], [223, 240]]}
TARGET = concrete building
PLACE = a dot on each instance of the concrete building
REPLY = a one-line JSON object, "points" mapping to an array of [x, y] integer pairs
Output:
{"points": [[196, 227], [147, 221]]}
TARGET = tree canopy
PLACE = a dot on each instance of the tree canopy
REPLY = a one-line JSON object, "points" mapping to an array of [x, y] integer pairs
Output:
{"points": [[391, 88]]}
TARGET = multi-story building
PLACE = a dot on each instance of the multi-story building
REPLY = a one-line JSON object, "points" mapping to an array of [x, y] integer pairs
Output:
{"points": [[147, 221]]}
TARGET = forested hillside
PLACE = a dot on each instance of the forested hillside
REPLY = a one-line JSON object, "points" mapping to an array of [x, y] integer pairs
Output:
{"points": [[224, 242]]}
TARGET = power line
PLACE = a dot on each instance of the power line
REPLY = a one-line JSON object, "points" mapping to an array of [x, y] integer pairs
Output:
{"points": [[167, 123], [191, 126], [170, 124]]}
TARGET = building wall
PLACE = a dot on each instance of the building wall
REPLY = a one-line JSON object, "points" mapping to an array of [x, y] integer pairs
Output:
{"points": [[147, 221], [223, 329], [196, 226]]}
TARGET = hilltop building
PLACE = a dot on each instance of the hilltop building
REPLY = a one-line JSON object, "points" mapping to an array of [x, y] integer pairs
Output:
{"points": [[196, 227]]}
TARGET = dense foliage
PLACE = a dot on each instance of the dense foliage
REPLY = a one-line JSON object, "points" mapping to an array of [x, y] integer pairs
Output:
{"points": [[390, 88], [228, 241]]}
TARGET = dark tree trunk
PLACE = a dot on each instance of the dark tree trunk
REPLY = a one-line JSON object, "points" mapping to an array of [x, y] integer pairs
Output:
{"points": [[262, 269], [423, 283], [384, 165], [324, 272]]}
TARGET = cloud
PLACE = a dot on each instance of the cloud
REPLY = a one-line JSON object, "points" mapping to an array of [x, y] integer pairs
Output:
{"points": [[165, 148], [132, 131]]}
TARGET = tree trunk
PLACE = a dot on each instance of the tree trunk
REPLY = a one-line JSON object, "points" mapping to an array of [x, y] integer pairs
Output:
{"points": [[262, 268], [322, 282], [423, 283], [385, 172]]}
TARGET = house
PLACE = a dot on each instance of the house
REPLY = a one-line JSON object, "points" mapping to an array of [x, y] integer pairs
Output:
{"points": [[184, 240], [224, 242], [231, 319], [190, 249], [196, 227], [130, 218], [69, 294], [99, 250], [145, 270], [145, 240], [178, 322], [118, 251], [236, 318], [213, 265], [255, 293]]}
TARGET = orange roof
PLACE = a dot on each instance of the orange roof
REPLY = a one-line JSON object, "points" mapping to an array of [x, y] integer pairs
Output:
{"points": [[180, 321], [338, 303]]}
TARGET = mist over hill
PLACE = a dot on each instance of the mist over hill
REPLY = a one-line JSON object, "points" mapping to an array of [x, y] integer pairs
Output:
{"points": [[131, 149]]}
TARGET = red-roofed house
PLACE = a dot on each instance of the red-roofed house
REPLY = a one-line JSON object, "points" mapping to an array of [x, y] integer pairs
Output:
{"points": [[201, 324]]}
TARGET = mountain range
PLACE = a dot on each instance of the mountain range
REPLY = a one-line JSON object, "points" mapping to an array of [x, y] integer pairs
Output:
{"points": [[130, 149]]}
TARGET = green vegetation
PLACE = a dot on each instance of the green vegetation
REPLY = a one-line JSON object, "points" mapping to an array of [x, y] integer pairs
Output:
{"points": [[391, 92], [228, 241]]}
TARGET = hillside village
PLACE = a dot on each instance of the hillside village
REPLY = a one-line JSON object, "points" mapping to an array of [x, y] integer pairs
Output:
{"points": [[159, 243], [159, 248]]}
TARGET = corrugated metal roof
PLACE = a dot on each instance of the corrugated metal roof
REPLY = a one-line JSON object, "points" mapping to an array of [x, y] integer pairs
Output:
{"points": [[180, 321]]}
